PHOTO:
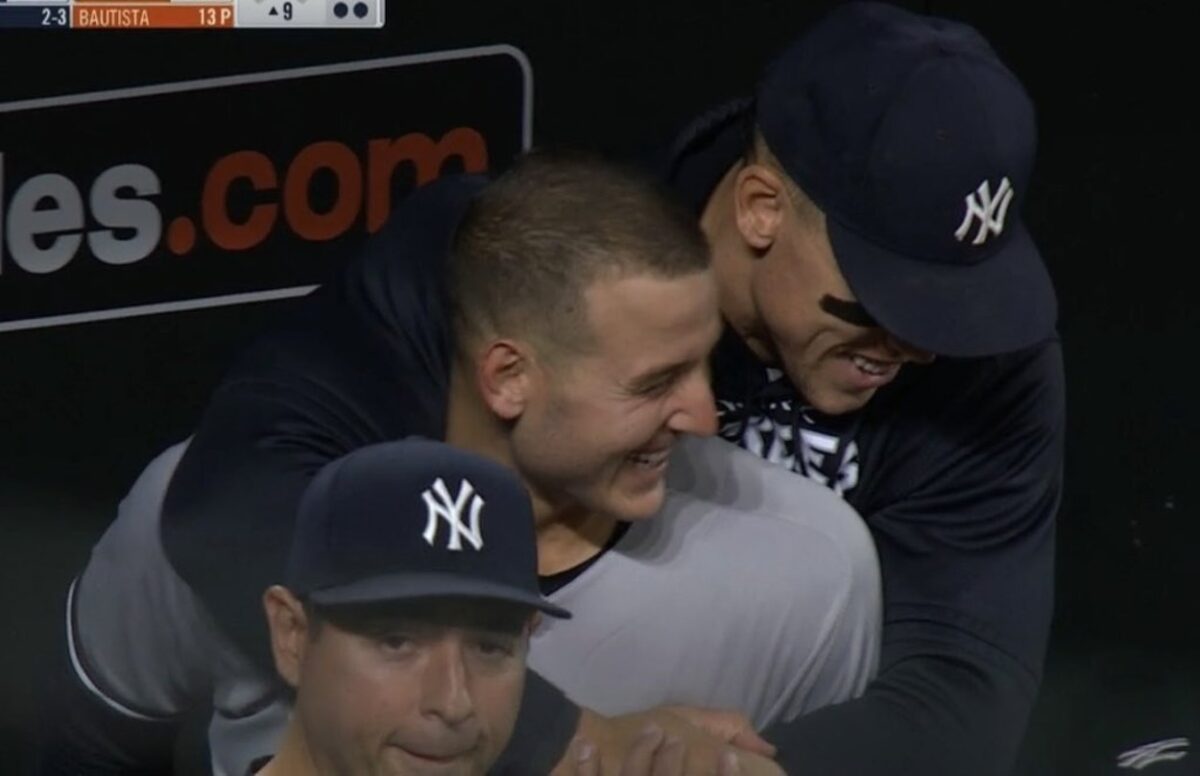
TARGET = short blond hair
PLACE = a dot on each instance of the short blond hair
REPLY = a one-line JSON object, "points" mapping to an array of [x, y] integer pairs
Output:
{"points": [[536, 238]]}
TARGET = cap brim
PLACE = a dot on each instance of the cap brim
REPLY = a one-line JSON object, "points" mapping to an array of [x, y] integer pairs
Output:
{"points": [[999, 305], [404, 587]]}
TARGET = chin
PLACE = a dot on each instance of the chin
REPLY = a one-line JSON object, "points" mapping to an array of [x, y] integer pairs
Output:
{"points": [[834, 402], [643, 513], [635, 506]]}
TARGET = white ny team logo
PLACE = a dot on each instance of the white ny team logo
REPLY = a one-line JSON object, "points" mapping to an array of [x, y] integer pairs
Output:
{"points": [[989, 209], [1160, 751], [451, 510]]}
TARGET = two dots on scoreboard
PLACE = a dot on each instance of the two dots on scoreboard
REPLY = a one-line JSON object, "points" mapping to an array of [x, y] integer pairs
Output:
{"points": [[310, 12], [341, 10]]}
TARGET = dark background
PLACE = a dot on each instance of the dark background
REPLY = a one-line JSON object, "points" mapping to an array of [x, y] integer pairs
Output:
{"points": [[83, 408]]}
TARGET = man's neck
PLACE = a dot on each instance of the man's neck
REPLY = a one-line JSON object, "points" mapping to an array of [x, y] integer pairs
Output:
{"points": [[570, 538], [567, 535]]}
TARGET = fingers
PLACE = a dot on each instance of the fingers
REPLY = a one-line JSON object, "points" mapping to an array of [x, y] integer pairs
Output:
{"points": [[655, 753], [652, 753], [729, 764], [664, 743], [670, 757], [748, 764], [639, 761], [731, 726], [752, 742], [587, 759]]}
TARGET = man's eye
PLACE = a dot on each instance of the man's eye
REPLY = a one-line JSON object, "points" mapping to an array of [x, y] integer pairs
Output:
{"points": [[495, 648], [395, 642], [657, 388]]}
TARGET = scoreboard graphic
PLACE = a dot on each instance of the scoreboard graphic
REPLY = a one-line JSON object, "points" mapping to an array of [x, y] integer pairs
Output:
{"points": [[190, 14]]}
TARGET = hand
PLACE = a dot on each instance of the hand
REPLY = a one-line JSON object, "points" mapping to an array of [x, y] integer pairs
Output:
{"points": [[730, 726], [653, 753], [657, 743]]}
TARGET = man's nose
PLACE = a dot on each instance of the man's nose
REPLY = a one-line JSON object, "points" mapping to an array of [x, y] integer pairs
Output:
{"points": [[445, 690], [695, 410]]}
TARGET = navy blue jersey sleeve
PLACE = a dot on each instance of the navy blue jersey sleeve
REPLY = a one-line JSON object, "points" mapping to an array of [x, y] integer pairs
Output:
{"points": [[962, 506], [84, 738], [362, 360], [545, 725], [80, 735], [231, 505]]}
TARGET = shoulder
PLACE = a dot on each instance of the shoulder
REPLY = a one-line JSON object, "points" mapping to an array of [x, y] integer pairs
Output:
{"points": [[386, 303], [726, 477], [1029, 382], [1009, 404], [778, 522], [977, 440], [368, 349]]}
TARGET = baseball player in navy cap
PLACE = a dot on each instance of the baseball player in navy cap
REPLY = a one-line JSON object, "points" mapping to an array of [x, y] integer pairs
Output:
{"points": [[890, 333], [403, 629]]}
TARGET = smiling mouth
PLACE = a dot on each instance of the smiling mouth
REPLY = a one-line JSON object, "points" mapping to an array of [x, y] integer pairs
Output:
{"points": [[872, 366], [652, 460]]}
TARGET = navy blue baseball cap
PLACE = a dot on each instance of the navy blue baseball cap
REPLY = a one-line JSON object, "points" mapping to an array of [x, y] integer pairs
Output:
{"points": [[415, 519], [918, 144]]}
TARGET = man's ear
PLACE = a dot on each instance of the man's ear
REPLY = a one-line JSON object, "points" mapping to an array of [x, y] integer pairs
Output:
{"points": [[760, 200], [532, 623], [504, 375], [289, 631]]}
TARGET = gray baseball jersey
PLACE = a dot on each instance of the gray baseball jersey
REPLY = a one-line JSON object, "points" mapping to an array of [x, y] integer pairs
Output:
{"points": [[753, 590]]}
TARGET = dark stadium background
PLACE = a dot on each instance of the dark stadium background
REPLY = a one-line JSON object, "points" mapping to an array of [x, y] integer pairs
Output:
{"points": [[83, 408]]}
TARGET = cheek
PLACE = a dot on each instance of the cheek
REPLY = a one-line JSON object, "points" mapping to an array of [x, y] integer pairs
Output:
{"points": [[783, 315], [543, 436], [617, 430], [577, 435], [779, 295], [499, 700], [576, 440], [348, 696], [789, 304]]}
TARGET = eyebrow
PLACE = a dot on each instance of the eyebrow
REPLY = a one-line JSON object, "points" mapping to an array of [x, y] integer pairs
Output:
{"points": [[658, 375], [376, 625], [852, 313]]}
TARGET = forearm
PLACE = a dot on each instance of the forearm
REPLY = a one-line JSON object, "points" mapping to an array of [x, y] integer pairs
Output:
{"points": [[930, 715]]}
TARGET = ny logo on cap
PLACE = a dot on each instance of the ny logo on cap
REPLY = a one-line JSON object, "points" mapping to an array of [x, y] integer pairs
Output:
{"points": [[451, 510], [988, 209]]}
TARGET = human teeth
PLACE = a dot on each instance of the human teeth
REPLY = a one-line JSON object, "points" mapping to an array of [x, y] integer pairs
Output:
{"points": [[868, 366], [650, 459]]}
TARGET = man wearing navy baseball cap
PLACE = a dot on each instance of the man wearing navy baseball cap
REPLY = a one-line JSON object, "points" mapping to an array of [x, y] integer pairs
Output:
{"points": [[890, 333], [403, 627]]}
